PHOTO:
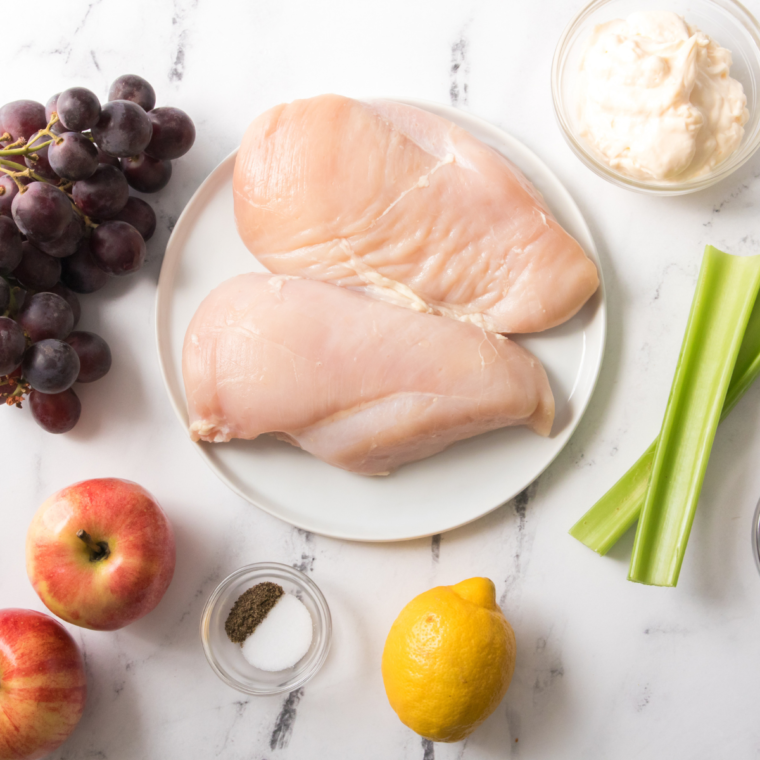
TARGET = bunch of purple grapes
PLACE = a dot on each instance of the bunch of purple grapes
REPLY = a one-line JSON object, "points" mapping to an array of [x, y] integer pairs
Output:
{"points": [[68, 223]]}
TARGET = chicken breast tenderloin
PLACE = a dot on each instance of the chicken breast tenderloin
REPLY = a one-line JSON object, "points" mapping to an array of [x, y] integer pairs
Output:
{"points": [[362, 384], [393, 200]]}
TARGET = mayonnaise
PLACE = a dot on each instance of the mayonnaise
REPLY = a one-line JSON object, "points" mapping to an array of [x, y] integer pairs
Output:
{"points": [[656, 100]]}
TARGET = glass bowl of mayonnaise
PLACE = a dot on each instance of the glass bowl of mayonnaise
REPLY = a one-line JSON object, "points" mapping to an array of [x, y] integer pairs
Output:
{"points": [[662, 98]]}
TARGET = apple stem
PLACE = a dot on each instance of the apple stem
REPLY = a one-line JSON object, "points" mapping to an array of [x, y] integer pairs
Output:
{"points": [[98, 549]]}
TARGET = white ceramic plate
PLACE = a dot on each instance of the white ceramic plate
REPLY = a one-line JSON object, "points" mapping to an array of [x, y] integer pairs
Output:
{"points": [[437, 494]]}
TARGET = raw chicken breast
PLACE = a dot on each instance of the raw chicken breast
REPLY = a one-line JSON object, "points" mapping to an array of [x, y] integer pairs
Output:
{"points": [[407, 206], [360, 383]]}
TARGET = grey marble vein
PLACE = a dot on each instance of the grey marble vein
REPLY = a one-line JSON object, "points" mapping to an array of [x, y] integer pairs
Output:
{"points": [[182, 22], [435, 547], [283, 727], [86, 15], [459, 71], [522, 541], [308, 553]]}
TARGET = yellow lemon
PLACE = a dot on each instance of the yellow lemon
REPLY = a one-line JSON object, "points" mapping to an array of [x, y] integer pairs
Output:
{"points": [[448, 660]]}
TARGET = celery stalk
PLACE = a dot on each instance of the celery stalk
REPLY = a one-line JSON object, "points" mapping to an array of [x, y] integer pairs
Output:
{"points": [[726, 292], [605, 523]]}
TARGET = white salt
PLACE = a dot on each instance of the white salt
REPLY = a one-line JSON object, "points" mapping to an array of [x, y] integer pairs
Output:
{"points": [[282, 638]]}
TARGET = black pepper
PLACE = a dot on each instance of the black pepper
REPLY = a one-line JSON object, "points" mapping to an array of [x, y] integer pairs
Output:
{"points": [[250, 609]]}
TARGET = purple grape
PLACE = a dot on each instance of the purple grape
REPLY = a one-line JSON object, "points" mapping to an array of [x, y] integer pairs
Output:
{"points": [[12, 345], [146, 174], [37, 270], [78, 109], [94, 355], [9, 190], [134, 88], [22, 118], [51, 366], [40, 164], [46, 315], [55, 412], [81, 273], [73, 156], [173, 133], [50, 107], [104, 158], [39, 161], [123, 129], [103, 195], [68, 242], [140, 215], [10, 245], [118, 248], [71, 299], [5, 295], [42, 212]]}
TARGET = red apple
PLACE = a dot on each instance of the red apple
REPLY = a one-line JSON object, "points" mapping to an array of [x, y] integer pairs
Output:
{"points": [[100, 553], [42, 684]]}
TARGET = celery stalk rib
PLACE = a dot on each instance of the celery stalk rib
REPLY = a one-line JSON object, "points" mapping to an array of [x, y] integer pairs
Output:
{"points": [[605, 523], [726, 292]]}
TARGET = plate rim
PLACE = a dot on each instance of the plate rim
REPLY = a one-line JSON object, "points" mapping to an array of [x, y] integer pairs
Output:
{"points": [[171, 260]]}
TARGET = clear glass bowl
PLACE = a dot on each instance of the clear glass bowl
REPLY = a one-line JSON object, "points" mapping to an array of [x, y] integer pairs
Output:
{"points": [[726, 21], [226, 658]]}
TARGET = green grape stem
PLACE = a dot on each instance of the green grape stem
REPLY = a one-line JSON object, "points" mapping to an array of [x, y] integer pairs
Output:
{"points": [[12, 165], [20, 143], [16, 174], [88, 222], [24, 148], [14, 169]]}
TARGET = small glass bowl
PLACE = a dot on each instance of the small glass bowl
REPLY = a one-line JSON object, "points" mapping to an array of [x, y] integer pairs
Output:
{"points": [[726, 21], [226, 659]]}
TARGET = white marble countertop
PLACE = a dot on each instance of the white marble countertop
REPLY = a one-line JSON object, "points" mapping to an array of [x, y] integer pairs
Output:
{"points": [[606, 669]]}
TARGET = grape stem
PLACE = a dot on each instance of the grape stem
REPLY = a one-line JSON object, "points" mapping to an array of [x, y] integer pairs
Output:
{"points": [[87, 220], [20, 143], [23, 173], [12, 165], [16, 396], [31, 149], [47, 131], [24, 148]]}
